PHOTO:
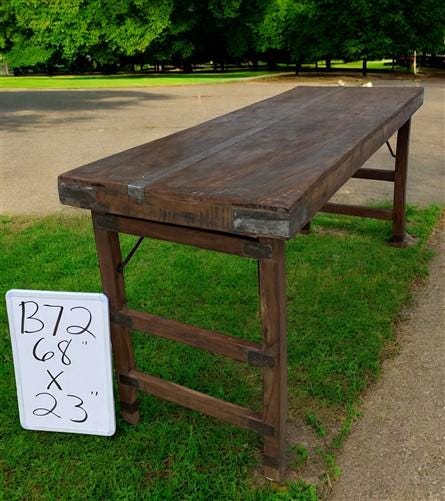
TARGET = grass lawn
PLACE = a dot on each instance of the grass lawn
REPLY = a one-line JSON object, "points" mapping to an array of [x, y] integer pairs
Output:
{"points": [[379, 65], [345, 289], [101, 81]]}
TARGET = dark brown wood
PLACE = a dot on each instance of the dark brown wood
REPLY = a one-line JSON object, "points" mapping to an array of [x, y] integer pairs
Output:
{"points": [[306, 228], [109, 254], [211, 240], [375, 174], [214, 342], [357, 210], [399, 236], [272, 285], [192, 399], [240, 184], [263, 170]]}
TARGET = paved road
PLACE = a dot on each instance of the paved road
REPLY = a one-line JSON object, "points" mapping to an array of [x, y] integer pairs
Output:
{"points": [[48, 132]]}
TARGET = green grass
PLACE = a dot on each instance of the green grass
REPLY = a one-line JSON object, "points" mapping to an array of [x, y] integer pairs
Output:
{"points": [[379, 65], [100, 81], [384, 64], [345, 289]]}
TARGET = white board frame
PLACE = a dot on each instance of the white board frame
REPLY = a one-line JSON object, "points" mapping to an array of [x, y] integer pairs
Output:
{"points": [[107, 427]]}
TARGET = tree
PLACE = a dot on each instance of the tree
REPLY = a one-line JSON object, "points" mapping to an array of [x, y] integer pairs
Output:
{"points": [[415, 26], [50, 31], [287, 30], [63, 31], [103, 34], [331, 28], [131, 26]]}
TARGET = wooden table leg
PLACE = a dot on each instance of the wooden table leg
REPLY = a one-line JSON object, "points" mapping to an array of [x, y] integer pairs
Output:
{"points": [[306, 228], [272, 285], [399, 236], [109, 254]]}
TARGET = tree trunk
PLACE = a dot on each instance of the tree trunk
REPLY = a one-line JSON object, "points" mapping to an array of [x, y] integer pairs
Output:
{"points": [[4, 70], [187, 67], [328, 63], [297, 67], [271, 62], [364, 67], [414, 63]]}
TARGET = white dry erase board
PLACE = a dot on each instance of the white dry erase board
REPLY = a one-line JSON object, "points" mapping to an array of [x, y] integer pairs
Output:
{"points": [[62, 361]]}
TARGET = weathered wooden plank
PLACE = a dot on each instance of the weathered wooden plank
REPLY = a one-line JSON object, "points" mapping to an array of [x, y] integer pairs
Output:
{"points": [[211, 240], [356, 210], [272, 286], [264, 170], [214, 342], [109, 254], [192, 399], [375, 174]]}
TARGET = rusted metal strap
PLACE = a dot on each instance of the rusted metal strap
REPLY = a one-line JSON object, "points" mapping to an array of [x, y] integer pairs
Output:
{"points": [[121, 266]]}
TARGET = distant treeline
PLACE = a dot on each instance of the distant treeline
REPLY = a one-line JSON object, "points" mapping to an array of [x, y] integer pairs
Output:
{"points": [[110, 35]]}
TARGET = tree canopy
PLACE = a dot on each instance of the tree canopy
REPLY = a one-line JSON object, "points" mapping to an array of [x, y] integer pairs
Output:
{"points": [[85, 35]]}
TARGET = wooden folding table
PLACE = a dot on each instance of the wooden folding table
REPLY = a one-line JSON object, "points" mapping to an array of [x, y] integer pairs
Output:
{"points": [[243, 184]]}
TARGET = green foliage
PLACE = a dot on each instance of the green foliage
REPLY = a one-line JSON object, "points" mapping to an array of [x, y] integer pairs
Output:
{"points": [[94, 33], [288, 25], [63, 28], [131, 26]]}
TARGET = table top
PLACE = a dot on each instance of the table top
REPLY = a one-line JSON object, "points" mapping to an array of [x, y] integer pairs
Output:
{"points": [[263, 170]]}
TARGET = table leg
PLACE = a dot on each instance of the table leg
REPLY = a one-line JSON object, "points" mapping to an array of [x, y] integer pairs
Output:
{"points": [[399, 236], [272, 285], [306, 228], [109, 254]]}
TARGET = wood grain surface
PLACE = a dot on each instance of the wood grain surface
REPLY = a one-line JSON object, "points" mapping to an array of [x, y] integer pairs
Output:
{"points": [[262, 170]]}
